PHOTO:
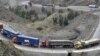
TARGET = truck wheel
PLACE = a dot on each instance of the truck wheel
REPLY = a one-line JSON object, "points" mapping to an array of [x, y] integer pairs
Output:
{"points": [[4, 34], [53, 46], [32, 45], [8, 36], [19, 43], [35, 46], [65, 46], [50, 46], [42, 46]]}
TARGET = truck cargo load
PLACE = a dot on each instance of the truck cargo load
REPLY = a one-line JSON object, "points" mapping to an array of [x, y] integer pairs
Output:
{"points": [[27, 40], [62, 43], [9, 32]]}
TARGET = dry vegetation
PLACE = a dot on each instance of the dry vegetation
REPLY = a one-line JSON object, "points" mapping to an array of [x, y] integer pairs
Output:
{"points": [[7, 49], [55, 23]]}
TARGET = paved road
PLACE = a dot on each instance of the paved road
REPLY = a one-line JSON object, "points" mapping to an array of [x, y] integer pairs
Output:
{"points": [[83, 8], [77, 8], [96, 34], [46, 50], [41, 50]]}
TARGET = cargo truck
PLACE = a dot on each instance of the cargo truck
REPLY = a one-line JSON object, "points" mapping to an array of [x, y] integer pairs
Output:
{"points": [[93, 6], [86, 44], [57, 43], [8, 32], [27, 40]]}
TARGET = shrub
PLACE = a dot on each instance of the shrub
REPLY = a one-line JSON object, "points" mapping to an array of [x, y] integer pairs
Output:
{"points": [[72, 14], [39, 28], [48, 13]]}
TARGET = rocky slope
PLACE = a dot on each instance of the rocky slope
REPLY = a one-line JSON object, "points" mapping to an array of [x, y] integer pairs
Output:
{"points": [[7, 49]]}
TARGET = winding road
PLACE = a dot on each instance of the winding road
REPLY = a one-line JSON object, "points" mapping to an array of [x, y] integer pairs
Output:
{"points": [[65, 51]]}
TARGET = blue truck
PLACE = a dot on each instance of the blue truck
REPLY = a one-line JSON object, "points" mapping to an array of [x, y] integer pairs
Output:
{"points": [[9, 32], [18, 38], [27, 40]]}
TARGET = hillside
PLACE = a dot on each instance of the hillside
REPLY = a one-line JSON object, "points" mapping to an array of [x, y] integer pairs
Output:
{"points": [[56, 24], [7, 49]]}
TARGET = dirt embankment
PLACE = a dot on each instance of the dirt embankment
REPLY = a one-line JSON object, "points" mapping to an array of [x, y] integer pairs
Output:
{"points": [[7, 49], [80, 28]]}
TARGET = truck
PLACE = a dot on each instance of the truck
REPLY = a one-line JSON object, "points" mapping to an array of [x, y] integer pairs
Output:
{"points": [[27, 40], [92, 6], [9, 32], [1, 26], [86, 44], [57, 43]]}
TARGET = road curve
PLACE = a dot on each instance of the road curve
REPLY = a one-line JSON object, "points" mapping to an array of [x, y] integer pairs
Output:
{"points": [[42, 50], [96, 35], [45, 50]]}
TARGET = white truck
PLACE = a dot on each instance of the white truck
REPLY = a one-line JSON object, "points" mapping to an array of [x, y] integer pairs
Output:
{"points": [[93, 6], [86, 44]]}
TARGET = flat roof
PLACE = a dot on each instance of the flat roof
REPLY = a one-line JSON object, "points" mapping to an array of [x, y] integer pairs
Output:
{"points": [[27, 36], [10, 29]]}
